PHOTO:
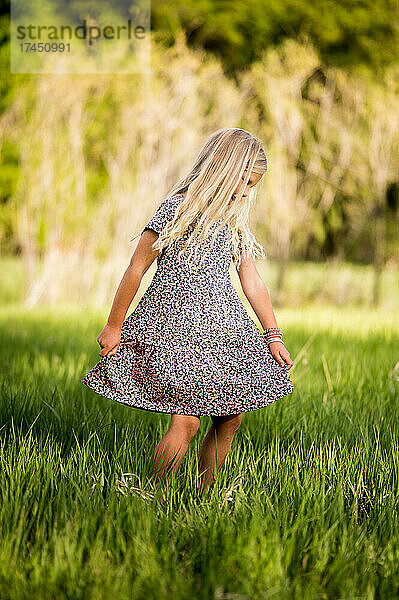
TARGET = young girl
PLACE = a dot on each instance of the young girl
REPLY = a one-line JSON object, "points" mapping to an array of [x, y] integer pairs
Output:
{"points": [[190, 348]]}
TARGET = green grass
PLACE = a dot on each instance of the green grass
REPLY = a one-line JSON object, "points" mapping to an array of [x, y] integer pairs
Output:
{"points": [[305, 505], [305, 283]]}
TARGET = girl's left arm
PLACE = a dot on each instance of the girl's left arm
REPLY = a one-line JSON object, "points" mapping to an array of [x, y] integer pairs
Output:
{"points": [[258, 296]]}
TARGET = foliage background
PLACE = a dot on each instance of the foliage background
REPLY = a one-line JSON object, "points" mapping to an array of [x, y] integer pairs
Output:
{"points": [[86, 160]]}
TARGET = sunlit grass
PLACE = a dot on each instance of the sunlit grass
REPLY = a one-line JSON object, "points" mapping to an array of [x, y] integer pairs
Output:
{"points": [[305, 505], [306, 283]]}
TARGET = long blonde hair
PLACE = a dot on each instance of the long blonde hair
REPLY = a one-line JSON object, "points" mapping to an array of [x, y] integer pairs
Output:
{"points": [[227, 156]]}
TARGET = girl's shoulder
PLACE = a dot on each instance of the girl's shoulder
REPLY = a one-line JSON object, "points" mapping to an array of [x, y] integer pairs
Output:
{"points": [[171, 202], [177, 198]]}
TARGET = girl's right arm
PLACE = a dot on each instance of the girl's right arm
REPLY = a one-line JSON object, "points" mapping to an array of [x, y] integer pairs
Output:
{"points": [[142, 258]]}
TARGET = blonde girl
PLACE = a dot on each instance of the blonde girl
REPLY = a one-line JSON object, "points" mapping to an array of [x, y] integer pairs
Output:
{"points": [[189, 348]]}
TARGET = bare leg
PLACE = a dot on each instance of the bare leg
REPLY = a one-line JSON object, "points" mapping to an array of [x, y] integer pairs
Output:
{"points": [[171, 449], [215, 447]]}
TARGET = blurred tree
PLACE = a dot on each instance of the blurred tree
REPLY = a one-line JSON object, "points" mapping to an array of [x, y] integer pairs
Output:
{"points": [[346, 32]]}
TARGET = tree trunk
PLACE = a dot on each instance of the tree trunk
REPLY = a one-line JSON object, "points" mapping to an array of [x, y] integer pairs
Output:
{"points": [[282, 265], [379, 253]]}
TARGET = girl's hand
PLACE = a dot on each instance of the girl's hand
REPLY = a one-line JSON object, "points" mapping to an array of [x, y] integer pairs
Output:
{"points": [[281, 354], [109, 340]]}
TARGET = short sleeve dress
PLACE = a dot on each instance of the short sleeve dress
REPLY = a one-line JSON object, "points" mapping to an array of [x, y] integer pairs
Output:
{"points": [[190, 347]]}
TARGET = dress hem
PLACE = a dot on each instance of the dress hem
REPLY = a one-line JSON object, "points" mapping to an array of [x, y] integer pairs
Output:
{"points": [[180, 410]]}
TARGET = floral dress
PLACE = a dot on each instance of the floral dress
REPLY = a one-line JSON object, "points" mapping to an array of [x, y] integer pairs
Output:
{"points": [[190, 347]]}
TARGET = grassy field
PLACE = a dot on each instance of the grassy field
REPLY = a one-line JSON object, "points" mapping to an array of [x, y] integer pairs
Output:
{"points": [[305, 505]]}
